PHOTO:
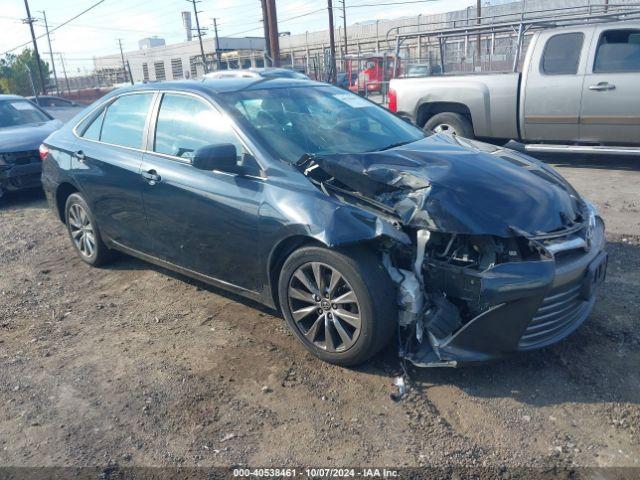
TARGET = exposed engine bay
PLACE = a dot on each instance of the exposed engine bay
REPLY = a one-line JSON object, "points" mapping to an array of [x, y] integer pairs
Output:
{"points": [[480, 267]]}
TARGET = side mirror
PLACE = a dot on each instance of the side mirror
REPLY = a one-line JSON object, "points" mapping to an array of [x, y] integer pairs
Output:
{"points": [[222, 156]]}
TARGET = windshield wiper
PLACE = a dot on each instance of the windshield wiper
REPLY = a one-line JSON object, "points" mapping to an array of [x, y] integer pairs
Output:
{"points": [[394, 145]]}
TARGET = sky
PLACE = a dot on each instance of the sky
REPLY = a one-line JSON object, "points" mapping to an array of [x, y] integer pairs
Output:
{"points": [[96, 32]]}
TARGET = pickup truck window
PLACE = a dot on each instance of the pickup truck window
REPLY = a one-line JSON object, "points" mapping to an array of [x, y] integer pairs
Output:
{"points": [[562, 54], [618, 51]]}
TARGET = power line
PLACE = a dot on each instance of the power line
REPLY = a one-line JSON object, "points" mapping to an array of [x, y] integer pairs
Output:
{"points": [[407, 2], [59, 26]]}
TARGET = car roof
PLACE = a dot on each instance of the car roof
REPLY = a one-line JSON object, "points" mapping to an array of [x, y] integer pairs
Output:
{"points": [[221, 85], [48, 96], [11, 97], [252, 72]]}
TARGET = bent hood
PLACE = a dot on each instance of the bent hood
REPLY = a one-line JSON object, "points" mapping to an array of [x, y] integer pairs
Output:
{"points": [[456, 185], [26, 137]]}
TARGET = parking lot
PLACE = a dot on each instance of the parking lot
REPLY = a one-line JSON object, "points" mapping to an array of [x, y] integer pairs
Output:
{"points": [[134, 365]]}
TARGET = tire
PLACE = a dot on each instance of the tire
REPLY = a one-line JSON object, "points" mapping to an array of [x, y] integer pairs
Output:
{"points": [[452, 123], [363, 278], [84, 233]]}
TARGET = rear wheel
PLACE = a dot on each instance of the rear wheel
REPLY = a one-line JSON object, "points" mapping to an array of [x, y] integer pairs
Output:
{"points": [[340, 304], [452, 123], [84, 233]]}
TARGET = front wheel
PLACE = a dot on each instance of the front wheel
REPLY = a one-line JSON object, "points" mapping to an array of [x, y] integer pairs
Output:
{"points": [[340, 304]]}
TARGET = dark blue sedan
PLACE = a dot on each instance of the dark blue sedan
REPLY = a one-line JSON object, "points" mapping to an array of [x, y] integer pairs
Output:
{"points": [[358, 226], [23, 127]]}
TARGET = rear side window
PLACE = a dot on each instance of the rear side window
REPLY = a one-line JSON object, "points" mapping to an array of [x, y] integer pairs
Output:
{"points": [[562, 54], [125, 119], [186, 124], [93, 131], [618, 51]]}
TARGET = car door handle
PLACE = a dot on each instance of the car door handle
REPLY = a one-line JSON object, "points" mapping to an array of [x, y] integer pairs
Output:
{"points": [[602, 86], [151, 176], [80, 156]]}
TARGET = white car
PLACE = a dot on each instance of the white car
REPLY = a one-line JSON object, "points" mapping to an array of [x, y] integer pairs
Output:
{"points": [[257, 73]]}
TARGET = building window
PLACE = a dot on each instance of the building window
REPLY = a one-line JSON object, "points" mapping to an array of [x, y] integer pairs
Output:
{"points": [[193, 61], [176, 68], [145, 72], [159, 69]]}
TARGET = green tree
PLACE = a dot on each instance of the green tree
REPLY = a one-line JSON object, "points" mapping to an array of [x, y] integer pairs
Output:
{"points": [[14, 73]]}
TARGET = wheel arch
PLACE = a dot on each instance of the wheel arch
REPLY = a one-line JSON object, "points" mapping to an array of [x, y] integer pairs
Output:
{"points": [[63, 191], [279, 255], [429, 109]]}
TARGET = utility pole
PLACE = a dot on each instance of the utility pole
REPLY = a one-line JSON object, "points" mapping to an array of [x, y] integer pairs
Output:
{"points": [[479, 38], [195, 12], [344, 24], [215, 31], [265, 24], [124, 64], [30, 21], [274, 37], [332, 44], [129, 70], [64, 71], [53, 64]]}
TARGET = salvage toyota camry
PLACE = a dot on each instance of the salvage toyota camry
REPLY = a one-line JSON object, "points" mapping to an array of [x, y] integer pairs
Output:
{"points": [[359, 227]]}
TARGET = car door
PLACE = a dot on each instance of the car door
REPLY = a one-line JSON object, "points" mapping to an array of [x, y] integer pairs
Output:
{"points": [[204, 221], [106, 164], [553, 86], [611, 92]]}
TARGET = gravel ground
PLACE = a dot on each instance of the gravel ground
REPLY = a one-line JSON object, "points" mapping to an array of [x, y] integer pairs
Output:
{"points": [[134, 365]]}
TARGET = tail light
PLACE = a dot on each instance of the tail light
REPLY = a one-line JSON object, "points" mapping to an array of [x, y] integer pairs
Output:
{"points": [[393, 101], [43, 150]]}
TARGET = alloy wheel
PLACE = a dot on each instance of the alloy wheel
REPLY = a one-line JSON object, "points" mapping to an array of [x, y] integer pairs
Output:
{"points": [[324, 307], [82, 231]]}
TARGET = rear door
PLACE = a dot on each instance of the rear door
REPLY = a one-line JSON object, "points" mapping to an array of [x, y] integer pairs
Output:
{"points": [[611, 94], [553, 86], [106, 164], [204, 221]]}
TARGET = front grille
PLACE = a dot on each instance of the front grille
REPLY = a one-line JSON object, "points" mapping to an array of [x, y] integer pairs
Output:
{"points": [[22, 158], [559, 312]]}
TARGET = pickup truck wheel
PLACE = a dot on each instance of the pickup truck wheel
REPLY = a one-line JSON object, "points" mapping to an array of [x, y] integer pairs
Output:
{"points": [[339, 303], [452, 123]]}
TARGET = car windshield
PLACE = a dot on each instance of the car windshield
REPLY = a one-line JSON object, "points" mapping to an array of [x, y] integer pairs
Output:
{"points": [[20, 112], [318, 120]]}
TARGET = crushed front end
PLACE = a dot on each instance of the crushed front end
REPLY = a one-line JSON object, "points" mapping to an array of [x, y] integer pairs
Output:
{"points": [[487, 297], [504, 255]]}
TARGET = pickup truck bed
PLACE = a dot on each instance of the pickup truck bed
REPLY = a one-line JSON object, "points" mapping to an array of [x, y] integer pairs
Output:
{"points": [[488, 100]]}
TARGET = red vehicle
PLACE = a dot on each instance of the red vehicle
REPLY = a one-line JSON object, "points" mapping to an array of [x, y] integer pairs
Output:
{"points": [[368, 73]]}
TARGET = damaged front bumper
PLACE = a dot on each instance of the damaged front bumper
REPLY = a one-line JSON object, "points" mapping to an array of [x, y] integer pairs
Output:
{"points": [[18, 176], [518, 306]]}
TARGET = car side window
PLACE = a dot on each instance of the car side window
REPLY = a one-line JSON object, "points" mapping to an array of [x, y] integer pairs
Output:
{"points": [[561, 54], [186, 124], [59, 102], [125, 119], [92, 132], [618, 51]]}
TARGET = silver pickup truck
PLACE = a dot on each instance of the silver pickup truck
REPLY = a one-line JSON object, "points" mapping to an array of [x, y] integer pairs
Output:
{"points": [[579, 90]]}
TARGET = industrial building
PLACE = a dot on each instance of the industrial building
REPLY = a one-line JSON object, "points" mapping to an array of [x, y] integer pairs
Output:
{"points": [[309, 52]]}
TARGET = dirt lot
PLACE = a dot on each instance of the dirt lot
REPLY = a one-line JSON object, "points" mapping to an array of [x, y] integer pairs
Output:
{"points": [[134, 365]]}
